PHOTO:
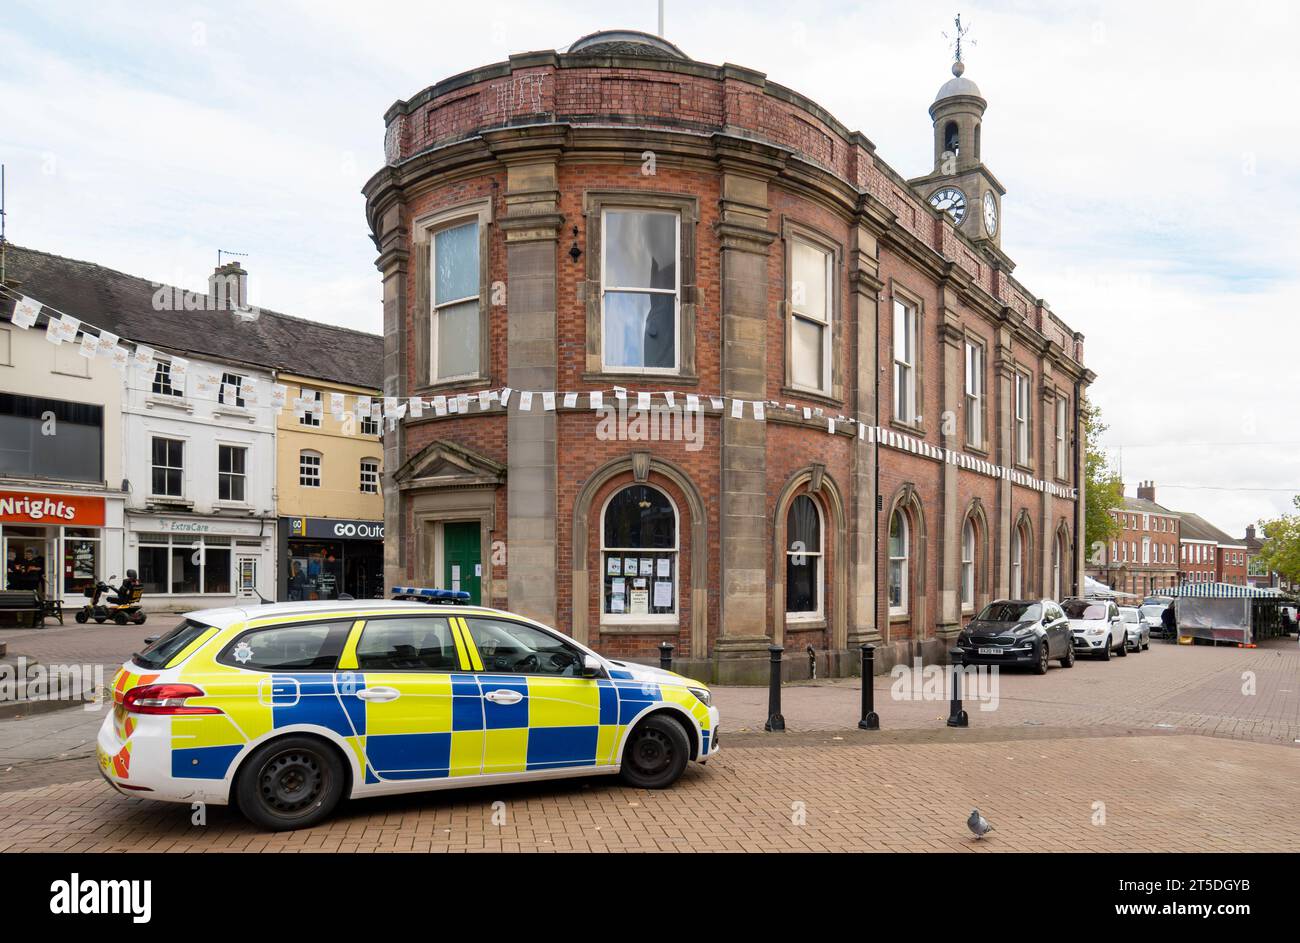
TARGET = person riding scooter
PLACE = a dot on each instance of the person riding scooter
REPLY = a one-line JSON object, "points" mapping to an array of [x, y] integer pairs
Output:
{"points": [[122, 607]]}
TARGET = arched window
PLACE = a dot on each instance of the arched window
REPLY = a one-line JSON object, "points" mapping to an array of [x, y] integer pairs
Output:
{"points": [[1057, 575], [898, 559], [639, 556], [805, 571], [968, 565], [309, 468], [951, 141], [1017, 561]]}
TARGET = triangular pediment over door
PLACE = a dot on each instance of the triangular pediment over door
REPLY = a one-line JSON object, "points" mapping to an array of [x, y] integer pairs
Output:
{"points": [[445, 464]]}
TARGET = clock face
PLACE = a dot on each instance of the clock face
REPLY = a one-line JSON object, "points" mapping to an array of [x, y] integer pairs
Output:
{"points": [[990, 214], [952, 201]]}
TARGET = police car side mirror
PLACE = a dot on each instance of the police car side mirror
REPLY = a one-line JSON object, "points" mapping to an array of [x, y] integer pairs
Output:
{"points": [[591, 668]]}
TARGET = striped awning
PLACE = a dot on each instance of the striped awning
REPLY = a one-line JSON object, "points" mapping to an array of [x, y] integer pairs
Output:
{"points": [[1218, 591]]}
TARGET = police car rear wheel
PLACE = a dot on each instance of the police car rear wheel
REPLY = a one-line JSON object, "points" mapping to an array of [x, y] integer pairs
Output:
{"points": [[290, 783], [656, 754]]}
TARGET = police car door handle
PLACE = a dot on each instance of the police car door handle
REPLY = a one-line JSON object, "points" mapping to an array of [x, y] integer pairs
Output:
{"points": [[379, 694], [504, 696]]}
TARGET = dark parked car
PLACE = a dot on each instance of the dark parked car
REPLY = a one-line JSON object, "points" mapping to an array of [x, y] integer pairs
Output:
{"points": [[1018, 632]]}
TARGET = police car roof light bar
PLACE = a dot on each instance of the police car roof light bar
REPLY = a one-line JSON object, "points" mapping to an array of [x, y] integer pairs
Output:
{"points": [[425, 594]]}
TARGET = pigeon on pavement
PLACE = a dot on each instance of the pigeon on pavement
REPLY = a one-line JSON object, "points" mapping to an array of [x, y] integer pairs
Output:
{"points": [[978, 825]]}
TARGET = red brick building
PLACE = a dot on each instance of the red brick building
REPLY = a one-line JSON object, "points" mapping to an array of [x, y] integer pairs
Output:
{"points": [[1144, 557], [872, 426]]}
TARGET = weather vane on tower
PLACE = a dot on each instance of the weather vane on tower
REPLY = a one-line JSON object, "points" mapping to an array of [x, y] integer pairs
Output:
{"points": [[958, 66]]}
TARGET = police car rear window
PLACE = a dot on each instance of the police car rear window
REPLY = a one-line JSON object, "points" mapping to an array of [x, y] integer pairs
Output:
{"points": [[160, 652], [304, 646]]}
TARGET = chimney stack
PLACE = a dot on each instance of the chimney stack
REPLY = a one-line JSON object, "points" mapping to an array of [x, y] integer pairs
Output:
{"points": [[1147, 491], [1250, 531], [228, 287]]}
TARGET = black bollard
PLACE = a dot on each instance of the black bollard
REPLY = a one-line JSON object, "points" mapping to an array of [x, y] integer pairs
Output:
{"points": [[869, 721], [956, 716], [775, 722], [666, 656]]}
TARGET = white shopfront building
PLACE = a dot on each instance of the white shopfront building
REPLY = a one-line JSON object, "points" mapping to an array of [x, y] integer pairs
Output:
{"points": [[199, 454]]}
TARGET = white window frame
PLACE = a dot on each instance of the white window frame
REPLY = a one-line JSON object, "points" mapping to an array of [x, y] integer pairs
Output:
{"points": [[162, 377], [310, 465], [818, 614], [825, 323], [372, 471], [1146, 549], [475, 220], [243, 476], [370, 425], [180, 467], [1017, 562], [1022, 412], [974, 394], [627, 618], [676, 291], [309, 417], [968, 565], [905, 531], [237, 381], [904, 362], [1062, 440]]}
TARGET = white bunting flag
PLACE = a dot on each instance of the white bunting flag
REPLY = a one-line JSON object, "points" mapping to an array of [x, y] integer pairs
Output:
{"points": [[737, 409], [597, 400], [716, 401], [180, 369], [671, 397], [760, 410], [143, 357], [206, 381], [440, 405], [548, 402], [830, 426], [364, 407], [336, 406], [105, 343], [570, 400], [692, 402], [484, 400], [416, 407], [462, 403], [526, 401], [807, 413], [249, 391], [453, 404], [62, 331], [229, 394], [120, 357], [89, 346], [279, 395], [643, 401], [505, 397], [620, 393], [390, 407], [862, 430], [299, 407], [26, 311]]}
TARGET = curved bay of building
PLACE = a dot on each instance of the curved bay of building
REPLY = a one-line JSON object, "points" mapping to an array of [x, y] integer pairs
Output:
{"points": [[622, 216]]}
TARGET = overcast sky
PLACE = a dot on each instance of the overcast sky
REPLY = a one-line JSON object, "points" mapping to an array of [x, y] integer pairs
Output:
{"points": [[1149, 151]]}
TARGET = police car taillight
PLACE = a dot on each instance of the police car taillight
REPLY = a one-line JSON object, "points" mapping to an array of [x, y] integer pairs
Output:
{"points": [[165, 699]]}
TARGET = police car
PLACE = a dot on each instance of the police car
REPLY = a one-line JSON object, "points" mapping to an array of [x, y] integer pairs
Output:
{"points": [[286, 708]]}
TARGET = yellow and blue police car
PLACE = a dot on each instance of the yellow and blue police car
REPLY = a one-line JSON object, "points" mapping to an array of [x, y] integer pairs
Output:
{"points": [[285, 708]]}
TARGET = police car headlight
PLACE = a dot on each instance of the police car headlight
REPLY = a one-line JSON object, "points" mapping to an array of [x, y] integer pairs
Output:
{"points": [[702, 693]]}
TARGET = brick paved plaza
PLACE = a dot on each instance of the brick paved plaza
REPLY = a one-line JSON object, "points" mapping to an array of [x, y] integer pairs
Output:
{"points": [[1180, 757]]}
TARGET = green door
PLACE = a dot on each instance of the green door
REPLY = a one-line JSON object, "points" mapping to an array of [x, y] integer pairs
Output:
{"points": [[463, 562]]}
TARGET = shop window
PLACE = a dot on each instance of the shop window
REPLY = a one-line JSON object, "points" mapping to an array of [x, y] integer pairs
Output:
{"points": [[640, 290], [309, 469], [899, 551], [181, 565], [49, 438], [80, 560], [168, 467], [804, 560], [454, 334], [162, 380], [231, 477], [187, 563], [904, 363], [811, 296], [639, 556], [370, 476]]}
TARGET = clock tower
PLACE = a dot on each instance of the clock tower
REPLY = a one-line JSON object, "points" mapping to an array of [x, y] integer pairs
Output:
{"points": [[960, 184]]}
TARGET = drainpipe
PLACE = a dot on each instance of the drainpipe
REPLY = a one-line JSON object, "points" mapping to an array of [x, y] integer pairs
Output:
{"points": [[1080, 515]]}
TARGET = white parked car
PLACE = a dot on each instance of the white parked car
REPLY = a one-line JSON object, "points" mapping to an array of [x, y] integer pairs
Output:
{"points": [[1137, 630], [1097, 627]]}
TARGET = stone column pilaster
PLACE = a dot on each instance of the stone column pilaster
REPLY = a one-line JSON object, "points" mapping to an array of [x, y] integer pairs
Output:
{"points": [[1005, 446], [951, 392], [393, 239]]}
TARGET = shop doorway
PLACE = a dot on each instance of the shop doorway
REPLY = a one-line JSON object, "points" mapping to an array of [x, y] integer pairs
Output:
{"points": [[246, 575], [29, 556], [462, 559]]}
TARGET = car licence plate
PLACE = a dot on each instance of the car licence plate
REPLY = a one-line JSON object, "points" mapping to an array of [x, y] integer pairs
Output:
{"points": [[990, 651]]}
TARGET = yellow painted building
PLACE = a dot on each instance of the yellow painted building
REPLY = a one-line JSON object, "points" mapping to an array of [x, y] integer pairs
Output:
{"points": [[329, 492]]}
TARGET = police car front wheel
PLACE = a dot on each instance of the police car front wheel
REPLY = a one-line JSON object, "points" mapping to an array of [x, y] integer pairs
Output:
{"points": [[290, 783], [656, 753]]}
